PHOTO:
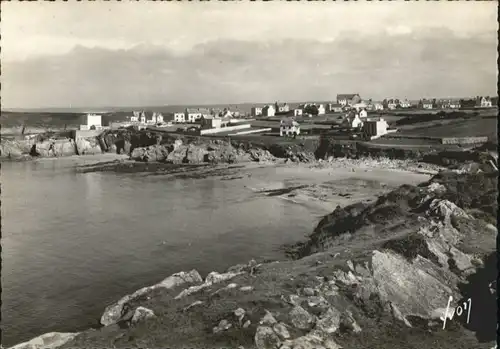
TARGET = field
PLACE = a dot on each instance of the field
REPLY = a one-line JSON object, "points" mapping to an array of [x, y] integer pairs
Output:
{"points": [[456, 128]]}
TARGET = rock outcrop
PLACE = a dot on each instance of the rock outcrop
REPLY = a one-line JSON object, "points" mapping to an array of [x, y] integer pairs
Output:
{"points": [[50, 340], [114, 312], [88, 146]]}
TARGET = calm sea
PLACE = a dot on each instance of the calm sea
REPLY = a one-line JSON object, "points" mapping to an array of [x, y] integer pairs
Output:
{"points": [[73, 243]]}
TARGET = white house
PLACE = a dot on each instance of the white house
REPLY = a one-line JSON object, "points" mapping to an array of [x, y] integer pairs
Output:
{"points": [[427, 104], [405, 104], [335, 108], [289, 127], [455, 104], [210, 121], [374, 106], [298, 112], [392, 104], [486, 102], [375, 128], [359, 106], [363, 114], [156, 118], [136, 116], [92, 121], [269, 110], [348, 99], [179, 118], [321, 109], [285, 108], [194, 114], [256, 111], [352, 121]]}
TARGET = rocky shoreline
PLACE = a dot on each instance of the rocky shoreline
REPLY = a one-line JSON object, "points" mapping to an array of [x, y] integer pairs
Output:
{"points": [[382, 270], [369, 276]]}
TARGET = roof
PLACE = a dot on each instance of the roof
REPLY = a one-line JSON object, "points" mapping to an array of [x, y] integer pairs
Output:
{"points": [[289, 122], [347, 96], [335, 105], [197, 110]]}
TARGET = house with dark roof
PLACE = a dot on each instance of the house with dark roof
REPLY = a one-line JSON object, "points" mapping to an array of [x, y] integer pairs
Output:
{"points": [[485, 102], [348, 99], [426, 104], [335, 108], [194, 114]]}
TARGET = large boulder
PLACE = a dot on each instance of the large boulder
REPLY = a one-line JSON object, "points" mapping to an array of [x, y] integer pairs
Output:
{"points": [[266, 338], [151, 153], [10, 150], [114, 312], [88, 146], [64, 147], [141, 314], [194, 154], [178, 155], [300, 318], [50, 340]]}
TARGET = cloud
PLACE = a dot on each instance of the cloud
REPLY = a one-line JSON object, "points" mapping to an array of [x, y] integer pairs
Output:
{"points": [[409, 65], [40, 28]]}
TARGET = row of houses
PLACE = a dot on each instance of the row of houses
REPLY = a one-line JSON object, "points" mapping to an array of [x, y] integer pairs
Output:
{"points": [[284, 109], [141, 117], [192, 115], [478, 102]]}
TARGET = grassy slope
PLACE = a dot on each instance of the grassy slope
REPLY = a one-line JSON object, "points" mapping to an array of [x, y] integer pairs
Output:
{"points": [[273, 281]]}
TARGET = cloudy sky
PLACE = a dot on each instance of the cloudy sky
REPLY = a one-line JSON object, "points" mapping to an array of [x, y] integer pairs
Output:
{"points": [[91, 54]]}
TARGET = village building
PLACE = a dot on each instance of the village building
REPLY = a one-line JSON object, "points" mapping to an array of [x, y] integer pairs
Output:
{"points": [[281, 109], [179, 118], [352, 121], [155, 119], [363, 113], [405, 104], [426, 104], [468, 103], [143, 118], [289, 127], [392, 104], [298, 112], [268, 110], [348, 99], [194, 114], [256, 111], [335, 108], [359, 106], [135, 117], [91, 122], [455, 104], [321, 109], [210, 121], [374, 128], [371, 106], [485, 102]]}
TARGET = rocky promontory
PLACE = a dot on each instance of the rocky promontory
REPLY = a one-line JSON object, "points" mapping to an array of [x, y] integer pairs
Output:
{"points": [[369, 276]]}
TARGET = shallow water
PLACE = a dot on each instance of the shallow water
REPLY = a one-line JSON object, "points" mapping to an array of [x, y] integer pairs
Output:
{"points": [[73, 243]]}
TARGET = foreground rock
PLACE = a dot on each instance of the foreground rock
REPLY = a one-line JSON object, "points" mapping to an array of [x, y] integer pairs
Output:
{"points": [[209, 151], [116, 311], [50, 340]]}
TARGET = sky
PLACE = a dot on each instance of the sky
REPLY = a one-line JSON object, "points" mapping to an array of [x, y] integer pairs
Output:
{"points": [[90, 54]]}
